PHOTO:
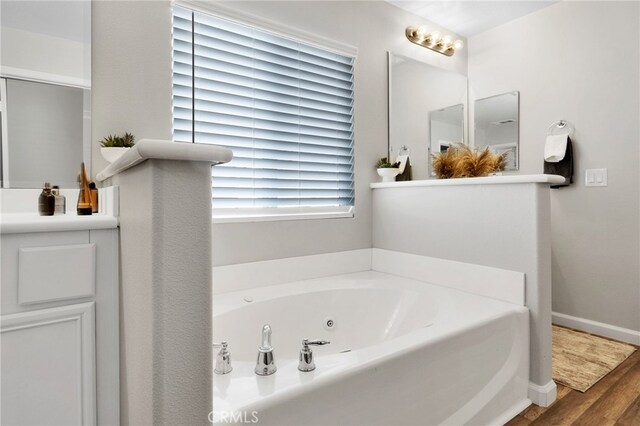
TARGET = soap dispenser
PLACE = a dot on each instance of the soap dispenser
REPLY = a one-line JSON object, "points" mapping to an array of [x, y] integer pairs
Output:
{"points": [[46, 201]]}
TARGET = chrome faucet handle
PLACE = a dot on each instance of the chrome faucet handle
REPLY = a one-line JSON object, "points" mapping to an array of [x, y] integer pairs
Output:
{"points": [[307, 342], [306, 362], [265, 365], [223, 360]]}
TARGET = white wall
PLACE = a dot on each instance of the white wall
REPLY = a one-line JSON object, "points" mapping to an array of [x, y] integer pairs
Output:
{"points": [[579, 61], [48, 58], [132, 92], [131, 62]]}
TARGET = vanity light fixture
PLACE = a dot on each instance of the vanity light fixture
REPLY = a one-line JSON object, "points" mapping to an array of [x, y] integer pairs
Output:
{"points": [[433, 40]]}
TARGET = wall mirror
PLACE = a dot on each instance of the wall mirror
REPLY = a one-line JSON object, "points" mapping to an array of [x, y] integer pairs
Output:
{"points": [[446, 127], [45, 92], [496, 125], [427, 110]]}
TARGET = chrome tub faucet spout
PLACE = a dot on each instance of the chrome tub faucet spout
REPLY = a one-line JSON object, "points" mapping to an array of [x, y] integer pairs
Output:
{"points": [[265, 364]]}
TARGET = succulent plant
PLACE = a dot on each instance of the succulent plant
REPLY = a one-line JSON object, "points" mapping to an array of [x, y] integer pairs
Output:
{"points": [[111, 141], [128, 140], [384, 163]]}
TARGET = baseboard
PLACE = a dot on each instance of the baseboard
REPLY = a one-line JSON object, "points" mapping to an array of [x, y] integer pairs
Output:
{"points": [[544, 395], [599, 328]]}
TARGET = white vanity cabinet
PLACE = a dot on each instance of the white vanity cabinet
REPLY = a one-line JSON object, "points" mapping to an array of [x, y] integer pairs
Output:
{"points": [[59, 328]]}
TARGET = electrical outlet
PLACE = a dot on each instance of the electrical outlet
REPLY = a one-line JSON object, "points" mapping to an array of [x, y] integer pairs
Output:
{"points": [[595, 177]]}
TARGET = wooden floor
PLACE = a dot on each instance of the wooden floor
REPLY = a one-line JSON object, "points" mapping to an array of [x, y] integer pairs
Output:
{"points": [[614, 400]]}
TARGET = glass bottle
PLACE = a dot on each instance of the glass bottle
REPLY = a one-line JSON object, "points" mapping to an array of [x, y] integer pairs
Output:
{"points": [[61, 201], [84, 197], [46, 201]]}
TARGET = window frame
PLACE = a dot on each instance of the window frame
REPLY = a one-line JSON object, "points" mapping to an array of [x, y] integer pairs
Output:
{"points": [[268, 214]]}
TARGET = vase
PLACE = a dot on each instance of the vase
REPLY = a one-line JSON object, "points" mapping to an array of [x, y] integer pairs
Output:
{"points": [[389, 174], [112, 153]]}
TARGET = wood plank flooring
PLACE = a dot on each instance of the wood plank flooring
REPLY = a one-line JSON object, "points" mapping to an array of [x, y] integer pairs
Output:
{"points": [[613, 401]]}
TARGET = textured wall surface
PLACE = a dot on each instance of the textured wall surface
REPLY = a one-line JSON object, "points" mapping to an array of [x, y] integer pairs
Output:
{"points": [[131, 62], [166, 355]]}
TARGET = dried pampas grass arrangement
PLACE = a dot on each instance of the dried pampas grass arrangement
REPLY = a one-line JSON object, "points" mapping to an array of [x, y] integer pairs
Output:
{"points": [[461, 161]]}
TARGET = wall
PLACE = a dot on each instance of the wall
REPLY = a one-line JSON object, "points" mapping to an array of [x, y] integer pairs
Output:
{"points": [[48, 58], [132, 92], [131, 63], [579, 61]]}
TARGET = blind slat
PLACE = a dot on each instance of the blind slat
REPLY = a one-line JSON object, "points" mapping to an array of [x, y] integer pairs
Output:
{"points": [[283, 107]]}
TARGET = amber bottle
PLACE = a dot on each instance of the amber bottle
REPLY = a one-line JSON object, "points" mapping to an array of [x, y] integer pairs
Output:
{"points": [[94, 197], [84, 197]]}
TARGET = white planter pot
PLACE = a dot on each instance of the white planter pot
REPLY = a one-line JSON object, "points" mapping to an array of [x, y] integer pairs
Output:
{"points": [[389, 174], [111, 154]]}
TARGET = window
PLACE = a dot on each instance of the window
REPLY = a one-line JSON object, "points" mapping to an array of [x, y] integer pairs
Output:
{"points": [[285, 108]]}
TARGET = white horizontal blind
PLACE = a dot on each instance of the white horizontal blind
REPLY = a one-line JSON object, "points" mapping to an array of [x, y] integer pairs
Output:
{"points": [[285, 109]]}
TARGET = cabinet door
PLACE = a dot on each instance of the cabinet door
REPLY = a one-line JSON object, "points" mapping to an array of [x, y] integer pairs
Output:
{"points": [[48, 366]]}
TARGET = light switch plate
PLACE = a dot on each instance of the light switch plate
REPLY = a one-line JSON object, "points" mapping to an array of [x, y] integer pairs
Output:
{"points": [[595, 177]]}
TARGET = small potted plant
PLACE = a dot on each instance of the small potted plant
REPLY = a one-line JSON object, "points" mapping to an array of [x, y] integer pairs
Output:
{"points": [[386, 170], [113, 147]]}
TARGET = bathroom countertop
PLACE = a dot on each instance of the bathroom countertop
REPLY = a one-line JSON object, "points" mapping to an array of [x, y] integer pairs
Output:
{"points": [[489, 180], [13, 223]]}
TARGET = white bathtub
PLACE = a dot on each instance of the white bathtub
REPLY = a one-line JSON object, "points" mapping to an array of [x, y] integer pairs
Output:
{"points": [[401, 352]]}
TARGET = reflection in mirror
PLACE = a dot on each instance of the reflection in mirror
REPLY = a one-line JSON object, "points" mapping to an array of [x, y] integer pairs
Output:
{"points": [[447, 127], [45, 65], [496, 120], [45, 125], [417, 91]]}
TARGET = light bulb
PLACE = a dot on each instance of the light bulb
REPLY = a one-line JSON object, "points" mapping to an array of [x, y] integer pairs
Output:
{"points": [[458, 44], [435, 37], [446, 40]]}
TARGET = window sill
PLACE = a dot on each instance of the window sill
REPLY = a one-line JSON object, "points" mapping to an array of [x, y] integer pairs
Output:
{"points": [[279, 216]]}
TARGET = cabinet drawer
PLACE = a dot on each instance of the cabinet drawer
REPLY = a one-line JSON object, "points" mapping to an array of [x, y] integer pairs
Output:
{"points": [[52, 273]]}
